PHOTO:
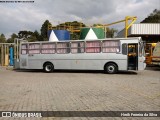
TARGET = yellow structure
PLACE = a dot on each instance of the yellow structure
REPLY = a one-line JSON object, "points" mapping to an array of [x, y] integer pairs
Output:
{"points": [[75, 27], [149, 52], [1, 55], [4, 53], [70, 26], [6, 60], [156, 55], [127, 24], [6, 48]]}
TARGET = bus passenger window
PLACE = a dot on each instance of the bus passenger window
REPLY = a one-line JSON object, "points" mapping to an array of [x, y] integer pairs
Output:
{"points": [[93, 47], [110, 46], [63, 48], [77, 47], [24, 49], [34, 48]]}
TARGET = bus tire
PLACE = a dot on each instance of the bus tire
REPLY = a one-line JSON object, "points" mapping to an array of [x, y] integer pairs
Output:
{"points": [[111, 68], [48, 67]]}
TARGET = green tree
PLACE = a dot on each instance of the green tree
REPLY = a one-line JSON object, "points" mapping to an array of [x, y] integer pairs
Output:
{"points": [[25, 34], [2, 38], [154, 17], [32, 38], [36, 34], [11, 39], [110, 32], [74, 36], [44, 30], [97, 25]]}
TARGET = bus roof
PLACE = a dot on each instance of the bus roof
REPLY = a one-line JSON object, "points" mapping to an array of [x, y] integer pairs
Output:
{"points": [[129, 38]]}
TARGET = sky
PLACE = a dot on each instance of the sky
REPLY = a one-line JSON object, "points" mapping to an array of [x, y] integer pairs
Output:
{"points": [[15, 17]]}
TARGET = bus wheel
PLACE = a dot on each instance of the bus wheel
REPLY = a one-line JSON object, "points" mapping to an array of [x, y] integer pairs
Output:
{"points": [[48, 67], [111, 68]]}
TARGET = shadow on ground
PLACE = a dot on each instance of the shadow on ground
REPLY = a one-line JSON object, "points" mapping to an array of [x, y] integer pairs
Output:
{"points": [[153, 68], [75, 71]]}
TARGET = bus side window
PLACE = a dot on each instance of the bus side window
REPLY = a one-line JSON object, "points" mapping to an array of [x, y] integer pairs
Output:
{"points": [[24, 49], [124, 49], [63, 48]]}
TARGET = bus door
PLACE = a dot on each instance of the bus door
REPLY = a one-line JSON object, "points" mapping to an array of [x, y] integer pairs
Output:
{"points": [[133, 56]]}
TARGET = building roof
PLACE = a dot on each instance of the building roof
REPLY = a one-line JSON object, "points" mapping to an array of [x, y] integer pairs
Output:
{"points": [[142, 29]]}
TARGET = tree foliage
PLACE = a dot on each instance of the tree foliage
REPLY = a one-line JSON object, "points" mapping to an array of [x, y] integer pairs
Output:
{"points": [[154, 17], [44, 30], [25, 34], [97, 25], [2, 38], [29, 35], [110, 32], [11, 39]]}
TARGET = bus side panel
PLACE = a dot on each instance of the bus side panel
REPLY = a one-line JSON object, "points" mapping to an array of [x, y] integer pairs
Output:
{"points": [[35, 61], [86, 61], [24, 61], [122, 64], [35, 64]]}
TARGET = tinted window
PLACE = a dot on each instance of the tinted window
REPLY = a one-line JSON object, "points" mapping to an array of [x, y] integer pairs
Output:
{"points": [[124, 49]]}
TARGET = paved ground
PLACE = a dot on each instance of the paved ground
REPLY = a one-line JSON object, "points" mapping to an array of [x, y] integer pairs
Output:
{"points": [[80, 91]]}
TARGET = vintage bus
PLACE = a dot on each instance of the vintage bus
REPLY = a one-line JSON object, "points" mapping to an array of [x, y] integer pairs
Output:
{"points": [[110, 55]]}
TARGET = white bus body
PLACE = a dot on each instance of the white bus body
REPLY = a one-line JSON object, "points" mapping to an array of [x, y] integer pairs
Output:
{"points": [[109, 55]]}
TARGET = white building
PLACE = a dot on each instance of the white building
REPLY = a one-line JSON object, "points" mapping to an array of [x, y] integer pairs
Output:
{"points": [[150, 32]]}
